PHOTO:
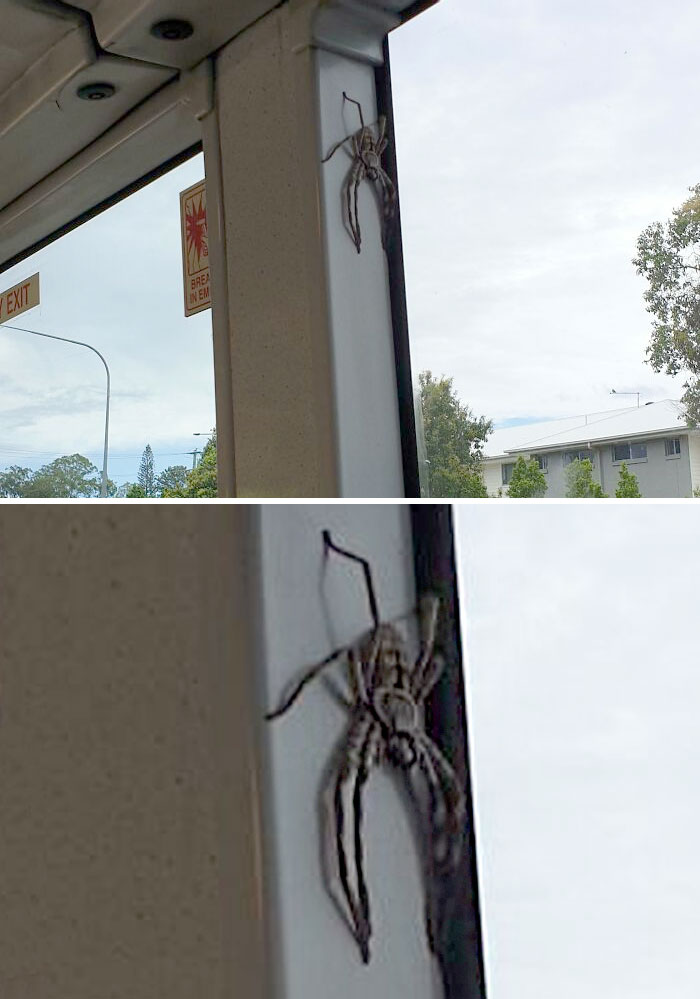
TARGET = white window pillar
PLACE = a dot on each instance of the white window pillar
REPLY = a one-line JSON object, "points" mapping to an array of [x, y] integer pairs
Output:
{"points": [[306, 378]]}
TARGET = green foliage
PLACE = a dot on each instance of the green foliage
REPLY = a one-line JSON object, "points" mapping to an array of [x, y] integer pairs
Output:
{"points": [[455, 478], [627, 486], [69, 477], [171, 479], [528, 480], [580, 483], [146, 477], [201, 481], [135, 491], [14, 481], [454, 440], [668, 256]]}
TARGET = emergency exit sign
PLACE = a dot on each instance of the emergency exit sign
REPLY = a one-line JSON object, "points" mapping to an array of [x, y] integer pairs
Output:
{"points": [[195, 248], [20, 298]]}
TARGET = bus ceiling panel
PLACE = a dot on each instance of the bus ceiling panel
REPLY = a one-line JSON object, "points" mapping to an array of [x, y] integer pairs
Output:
{"points": [[59, 112], [164, 127], [30, 30], [177, 33]]}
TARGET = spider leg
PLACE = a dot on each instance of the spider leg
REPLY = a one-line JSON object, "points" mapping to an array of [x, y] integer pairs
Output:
{"points": [[451, 817], [432, 906], [366, 568], [444, 832], [359, 106], [365, 927], [351, 185], [358, 236], [354, 759], [307, 677], [334, 149], [422, 674], [382, 140], [338, 695], [388, 202]]}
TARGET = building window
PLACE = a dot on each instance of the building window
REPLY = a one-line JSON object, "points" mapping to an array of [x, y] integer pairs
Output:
{"points": [[507, 472], [673, 447], [629, 452], [541, 460], [584, 455]]}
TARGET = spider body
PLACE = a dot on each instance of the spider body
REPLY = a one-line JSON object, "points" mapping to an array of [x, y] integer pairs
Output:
{"points": [[387, 691], [366, 150]]}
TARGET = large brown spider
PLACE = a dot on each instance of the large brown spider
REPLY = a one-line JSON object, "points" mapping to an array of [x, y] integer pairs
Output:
{"points": [[366, 163], [386, 726]]}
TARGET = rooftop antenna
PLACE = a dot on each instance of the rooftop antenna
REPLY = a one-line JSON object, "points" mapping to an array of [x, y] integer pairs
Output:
{"points": [[615, 392]]}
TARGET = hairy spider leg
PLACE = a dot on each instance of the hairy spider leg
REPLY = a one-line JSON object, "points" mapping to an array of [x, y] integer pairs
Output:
{"points": [[388, 192], [382, 141], [427, 612], [431, 881], [352, 759], [367, 754], [444, 831], [307, 677], [454, 806], [352, 184], [367, 569]]}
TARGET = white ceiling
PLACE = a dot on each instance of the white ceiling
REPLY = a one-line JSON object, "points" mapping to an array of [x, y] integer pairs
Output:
{"points": [[50, 48]]}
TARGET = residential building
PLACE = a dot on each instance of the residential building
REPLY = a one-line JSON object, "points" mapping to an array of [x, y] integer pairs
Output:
{"points": [[654, 441]]}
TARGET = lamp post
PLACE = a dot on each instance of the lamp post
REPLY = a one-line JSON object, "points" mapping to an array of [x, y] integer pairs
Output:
{"points": [[615, 392], [79, 343]]}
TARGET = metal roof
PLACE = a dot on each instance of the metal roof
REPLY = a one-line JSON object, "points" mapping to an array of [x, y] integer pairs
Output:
{"points": [[617, 424]]}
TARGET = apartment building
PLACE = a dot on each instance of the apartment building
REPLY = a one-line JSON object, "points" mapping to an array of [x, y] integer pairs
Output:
{"points": [[654, 441]]}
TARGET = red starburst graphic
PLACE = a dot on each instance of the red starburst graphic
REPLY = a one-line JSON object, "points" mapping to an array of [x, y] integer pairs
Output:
{"points": [[196, 230]]}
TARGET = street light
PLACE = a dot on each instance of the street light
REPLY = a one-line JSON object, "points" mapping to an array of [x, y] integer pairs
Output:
{"points": [[79, 343], [615, 392]]}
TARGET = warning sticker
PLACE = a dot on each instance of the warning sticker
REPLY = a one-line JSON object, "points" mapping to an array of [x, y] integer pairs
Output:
{"points": [[195, 248], [19, 299]]}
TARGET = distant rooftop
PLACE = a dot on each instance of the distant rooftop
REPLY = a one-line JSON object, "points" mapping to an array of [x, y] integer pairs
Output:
{"points": [[612, 424]]}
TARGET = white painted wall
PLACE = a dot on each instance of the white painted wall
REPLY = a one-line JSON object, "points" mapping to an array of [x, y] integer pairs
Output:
{"points": [[308, 608], [694, 459]]}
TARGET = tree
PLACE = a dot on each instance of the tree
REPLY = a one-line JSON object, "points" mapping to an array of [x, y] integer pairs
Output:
{"points": [[201, 481], [135, 491], [454, 440], [68, 477], [627, 486], [454, 478], [13, 481], [580, 483], [146, 477], [171, 479], [527, 480], [668, 256]]}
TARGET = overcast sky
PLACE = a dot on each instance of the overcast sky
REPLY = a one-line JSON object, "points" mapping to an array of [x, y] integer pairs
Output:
{"points": [[116, 282], [581, 646], [536, 139]]}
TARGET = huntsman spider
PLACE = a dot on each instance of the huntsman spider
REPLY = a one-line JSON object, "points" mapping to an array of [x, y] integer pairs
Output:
{"points": [[386, 726], [366, 150]]}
